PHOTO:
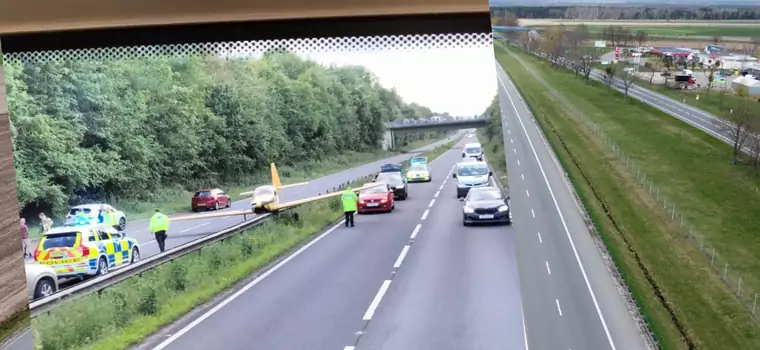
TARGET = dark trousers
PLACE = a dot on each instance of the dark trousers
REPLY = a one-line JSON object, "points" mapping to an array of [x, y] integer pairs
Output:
{"points": [[349, 218], [161, 239]]}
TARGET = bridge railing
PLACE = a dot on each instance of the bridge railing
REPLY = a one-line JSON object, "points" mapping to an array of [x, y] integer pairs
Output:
{"points": [[456, 120]]}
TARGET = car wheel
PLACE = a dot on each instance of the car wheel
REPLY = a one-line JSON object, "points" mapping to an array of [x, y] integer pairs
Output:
{"points": [[135, 255], [216, 205], [122, 224], [229, 202], [102, 267], [45, 288]]}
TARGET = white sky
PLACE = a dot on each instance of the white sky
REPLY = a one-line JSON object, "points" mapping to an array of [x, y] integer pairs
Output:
{"points": [[460, 81]]}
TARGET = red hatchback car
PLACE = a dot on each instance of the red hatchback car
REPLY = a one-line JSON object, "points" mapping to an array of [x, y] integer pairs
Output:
{"points": [[210, 199], [376, 199]]}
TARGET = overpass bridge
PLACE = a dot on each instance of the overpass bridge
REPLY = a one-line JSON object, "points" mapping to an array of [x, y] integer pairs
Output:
{"points": [[400, 127]]}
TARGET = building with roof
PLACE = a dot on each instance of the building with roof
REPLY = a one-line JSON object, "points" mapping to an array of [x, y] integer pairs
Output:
{"points": [[672, 51], [748, 83]]}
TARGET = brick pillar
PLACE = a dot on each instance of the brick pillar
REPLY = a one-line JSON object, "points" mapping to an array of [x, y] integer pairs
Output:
{"points": [[13, 294]]}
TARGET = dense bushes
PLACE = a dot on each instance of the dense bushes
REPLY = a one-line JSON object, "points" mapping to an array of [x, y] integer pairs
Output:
{"points": [[130, 128]]}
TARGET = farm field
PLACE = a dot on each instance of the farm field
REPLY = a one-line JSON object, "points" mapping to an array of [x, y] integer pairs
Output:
{"points": [[641, 23], [729, 30]]}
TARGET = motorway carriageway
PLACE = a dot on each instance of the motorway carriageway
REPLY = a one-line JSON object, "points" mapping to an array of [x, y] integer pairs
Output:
{"points": [[181, 232], [418, 279]]}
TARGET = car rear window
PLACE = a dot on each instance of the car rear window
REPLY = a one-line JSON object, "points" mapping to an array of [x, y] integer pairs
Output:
{"points": [[59, 240], [74, 211], [203, 194], [472, 150]]}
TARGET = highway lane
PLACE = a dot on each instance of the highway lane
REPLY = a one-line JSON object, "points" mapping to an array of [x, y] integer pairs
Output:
{"points": [[317, 299], [457, 288], [704, 121], [182, 232], [570, 299]]}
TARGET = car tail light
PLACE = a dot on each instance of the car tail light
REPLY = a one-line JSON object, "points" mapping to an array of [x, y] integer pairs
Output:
{"points": [[85, 251]]}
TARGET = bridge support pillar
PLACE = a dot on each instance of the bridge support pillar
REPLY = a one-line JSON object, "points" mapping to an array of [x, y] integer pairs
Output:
{"points": [[389, 140]]}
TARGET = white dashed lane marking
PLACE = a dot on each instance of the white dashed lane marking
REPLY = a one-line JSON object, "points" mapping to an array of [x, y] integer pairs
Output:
{"points": [[559, 308], [403, 255], [532, 212], [539, 238], [547, 267]]}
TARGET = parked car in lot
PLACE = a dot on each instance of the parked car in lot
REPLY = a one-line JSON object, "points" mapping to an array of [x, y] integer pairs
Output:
{"points": [[213, 198], [41, 281], [376, 199]]}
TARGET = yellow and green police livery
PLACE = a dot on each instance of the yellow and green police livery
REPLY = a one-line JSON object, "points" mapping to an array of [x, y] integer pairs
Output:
{"points": [[89, 250], [418, 172]]}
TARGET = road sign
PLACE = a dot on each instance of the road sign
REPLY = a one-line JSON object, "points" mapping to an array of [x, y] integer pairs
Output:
{"points": [[600, 43]]}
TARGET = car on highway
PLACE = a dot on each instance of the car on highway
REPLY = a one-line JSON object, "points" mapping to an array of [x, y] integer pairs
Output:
{"points": [[474, 150], [486, 205], [376, 199], [470, 174], [397, 182], [41, 281], [90, 211], [417, 160], [87, 250], [212, 198], [418, 172]]}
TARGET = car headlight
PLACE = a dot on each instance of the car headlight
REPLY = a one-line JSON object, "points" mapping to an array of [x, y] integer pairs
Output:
{"points": [[503, 208], [468, 210], [400, 187]]}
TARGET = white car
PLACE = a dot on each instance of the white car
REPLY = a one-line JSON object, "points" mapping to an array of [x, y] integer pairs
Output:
{"points": [[41, 281], [91, 212]]}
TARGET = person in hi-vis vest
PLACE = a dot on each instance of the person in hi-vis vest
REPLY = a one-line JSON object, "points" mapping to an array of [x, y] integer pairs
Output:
{"points": [[159, 224], [349, 199]]}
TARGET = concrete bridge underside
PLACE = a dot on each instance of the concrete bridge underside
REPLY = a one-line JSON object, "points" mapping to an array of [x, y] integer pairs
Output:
{"points": [[391, 132]]}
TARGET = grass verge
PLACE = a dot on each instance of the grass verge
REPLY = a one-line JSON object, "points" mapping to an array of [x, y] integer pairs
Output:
{"points": [[684, 300], [13, 325], [160, 296], [178, 200], [494, 152]]}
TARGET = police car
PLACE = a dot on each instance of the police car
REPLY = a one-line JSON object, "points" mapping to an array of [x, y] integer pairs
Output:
{"points": [[87, 250], [88, 214]]}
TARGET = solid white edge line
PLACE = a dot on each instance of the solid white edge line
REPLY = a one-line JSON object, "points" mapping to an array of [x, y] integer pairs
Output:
{"points": [[559, 308], [240, 292], [194, 227], [401, 257], [525, 330], [425, 214], [376, 302], [416, 231], [562, 218]]}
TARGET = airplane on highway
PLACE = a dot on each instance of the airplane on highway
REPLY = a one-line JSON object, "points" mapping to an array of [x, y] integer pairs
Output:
{"points": [[266, 199]]}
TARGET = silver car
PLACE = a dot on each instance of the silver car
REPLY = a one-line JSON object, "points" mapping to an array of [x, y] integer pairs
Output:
{"points": [[41, 281], [91, 212]]}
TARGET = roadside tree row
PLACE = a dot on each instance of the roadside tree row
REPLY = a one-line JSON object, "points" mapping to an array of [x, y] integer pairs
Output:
{"points": [[89, 130]]}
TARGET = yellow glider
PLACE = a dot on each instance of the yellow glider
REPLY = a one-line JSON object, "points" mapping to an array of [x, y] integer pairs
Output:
{"points": [[266, 199]]}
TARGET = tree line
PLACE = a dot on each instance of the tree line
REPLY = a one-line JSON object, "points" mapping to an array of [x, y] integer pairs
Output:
{"points": [[563, 47], [628, 12], [127, 128]]}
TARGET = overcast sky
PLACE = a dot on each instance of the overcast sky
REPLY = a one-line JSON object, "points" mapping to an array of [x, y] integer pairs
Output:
{"points": [[457, 81]]}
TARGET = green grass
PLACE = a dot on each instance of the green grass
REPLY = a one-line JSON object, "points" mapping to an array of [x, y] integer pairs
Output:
{"points": [[714, 102], [167, 292], [675, 31], [669, 277], [178, 200], [494, 152], [13, 325]]}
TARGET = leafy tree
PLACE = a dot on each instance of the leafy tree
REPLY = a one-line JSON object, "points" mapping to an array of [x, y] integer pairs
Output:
{"points": [[131, 128]]}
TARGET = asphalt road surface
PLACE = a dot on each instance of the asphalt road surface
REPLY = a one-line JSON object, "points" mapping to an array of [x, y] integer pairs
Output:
{"points": [[708, 123], [570, 299], [327, 295], [182, 232]]}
